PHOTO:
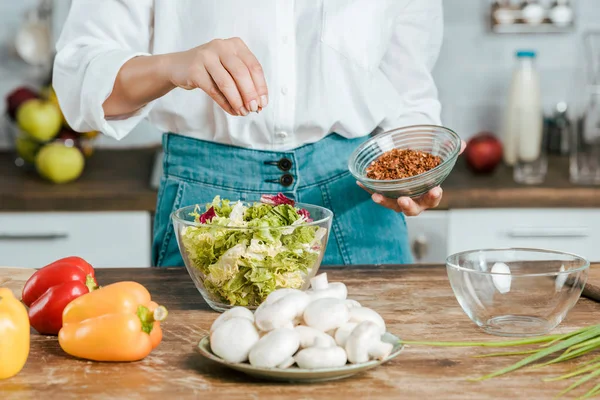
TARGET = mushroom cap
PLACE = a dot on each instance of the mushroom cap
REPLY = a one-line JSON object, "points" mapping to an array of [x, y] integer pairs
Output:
{"points": [[352, 304], [342, 333], [235, 312], [321, 357], [336, 290], [326, 314], [361, 314], [233, 339], [278, 294], [360, 341], [319, 282], [308, 337], [275, 348], [281, 312]]}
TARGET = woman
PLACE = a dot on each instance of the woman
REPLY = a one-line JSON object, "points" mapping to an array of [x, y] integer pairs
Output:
{"points": [[259, 98]]}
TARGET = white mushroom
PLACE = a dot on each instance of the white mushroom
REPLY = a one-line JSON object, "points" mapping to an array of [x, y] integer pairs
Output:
{"points": [[342, 333], [352, 304], [275, 348], [235, 312], [281, 312], [501, 277], [278, 294], [233, 339], [308, 337], [287, 363], [361, 314], [364, 344], [321, 357], [326, 314], [321, 288]]}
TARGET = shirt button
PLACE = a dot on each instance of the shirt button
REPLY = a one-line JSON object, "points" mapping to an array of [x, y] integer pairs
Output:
{"points": [[286, 179], [281, 135], [284, 90]]}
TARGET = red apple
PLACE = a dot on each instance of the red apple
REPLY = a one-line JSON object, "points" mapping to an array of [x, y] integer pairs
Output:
{"points": [[483, 152], [16, 98]]}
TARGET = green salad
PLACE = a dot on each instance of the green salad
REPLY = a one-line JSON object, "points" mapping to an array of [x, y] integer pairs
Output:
{"points": [[247, 251]]}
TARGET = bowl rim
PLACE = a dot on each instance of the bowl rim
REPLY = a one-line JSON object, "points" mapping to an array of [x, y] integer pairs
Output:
{"points": [[410, 179], [586, 262], [328, 216]]}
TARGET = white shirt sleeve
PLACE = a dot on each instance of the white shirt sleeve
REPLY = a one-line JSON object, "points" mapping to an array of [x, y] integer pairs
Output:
{"points": [[413, 52], [98, 37]]}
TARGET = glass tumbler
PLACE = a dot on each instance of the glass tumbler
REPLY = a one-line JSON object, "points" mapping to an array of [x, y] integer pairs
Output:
{"points": [[584, 166]]}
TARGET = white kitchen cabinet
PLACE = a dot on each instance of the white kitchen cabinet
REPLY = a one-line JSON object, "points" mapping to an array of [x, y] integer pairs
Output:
{"points": [[428, 234], [571, 230], [105, 239]]}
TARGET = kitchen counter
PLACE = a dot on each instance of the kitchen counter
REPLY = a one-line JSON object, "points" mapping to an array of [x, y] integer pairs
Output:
{"points": [[463, 189], [113, 180], [416, 302], [118, 180]]}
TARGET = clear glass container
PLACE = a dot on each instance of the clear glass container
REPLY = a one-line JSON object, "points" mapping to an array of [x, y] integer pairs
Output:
{"points": [[585, 145], [517, 291], [437, 140], [222, 260]]}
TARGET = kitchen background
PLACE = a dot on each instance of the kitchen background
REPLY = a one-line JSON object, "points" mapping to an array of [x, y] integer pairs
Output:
{"points": [[473, 75]]}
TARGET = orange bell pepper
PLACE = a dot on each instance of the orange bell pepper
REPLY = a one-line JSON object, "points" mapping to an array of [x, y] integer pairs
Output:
{"points": [[14, 334], [118, 322]]}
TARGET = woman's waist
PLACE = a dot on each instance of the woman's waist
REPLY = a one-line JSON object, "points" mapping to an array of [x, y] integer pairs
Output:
{"points": [[257, 170]]}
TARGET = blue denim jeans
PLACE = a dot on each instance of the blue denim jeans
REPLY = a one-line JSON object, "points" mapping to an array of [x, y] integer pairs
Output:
{"points": [[196, 171]]}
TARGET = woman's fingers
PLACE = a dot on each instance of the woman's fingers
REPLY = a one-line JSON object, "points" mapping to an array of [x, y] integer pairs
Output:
{"points": [[227, 86], [407, 205], [413, 208], [202, 80], [256, 72], [243, 80]]}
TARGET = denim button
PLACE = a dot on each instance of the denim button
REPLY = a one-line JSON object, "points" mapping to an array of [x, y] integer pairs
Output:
{"points": [[285, 164], [286, 179]]}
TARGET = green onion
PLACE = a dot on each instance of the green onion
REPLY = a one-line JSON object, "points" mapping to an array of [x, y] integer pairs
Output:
{"points": [[568, 346]]}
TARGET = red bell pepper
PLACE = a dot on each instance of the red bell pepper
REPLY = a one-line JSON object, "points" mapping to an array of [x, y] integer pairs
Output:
{"points": [[51, 288]]}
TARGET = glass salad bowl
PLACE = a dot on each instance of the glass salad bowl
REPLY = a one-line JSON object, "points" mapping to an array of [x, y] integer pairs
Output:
{"points": [[238, 252], [517, 291], [436, 140]]}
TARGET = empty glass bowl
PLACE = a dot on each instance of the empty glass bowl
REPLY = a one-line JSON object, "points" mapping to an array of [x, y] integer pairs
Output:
{"points": [[517, 292], [239, 266], [433, 139]]}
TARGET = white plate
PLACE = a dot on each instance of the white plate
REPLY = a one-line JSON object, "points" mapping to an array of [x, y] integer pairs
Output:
{"points": [[295, 374]]}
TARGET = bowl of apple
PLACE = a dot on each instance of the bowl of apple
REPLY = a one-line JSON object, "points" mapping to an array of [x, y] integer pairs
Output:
{"points": [[42, 138]]}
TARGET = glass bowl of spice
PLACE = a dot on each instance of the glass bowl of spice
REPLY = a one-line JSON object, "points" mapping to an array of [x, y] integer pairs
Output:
{"points": [[407, 161]]}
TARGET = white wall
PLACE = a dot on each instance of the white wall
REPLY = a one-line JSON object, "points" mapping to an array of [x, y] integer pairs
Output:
{"points": [[473, 71], [474, 68]]}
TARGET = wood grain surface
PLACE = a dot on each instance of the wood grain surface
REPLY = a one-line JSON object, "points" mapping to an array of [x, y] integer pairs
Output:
{"points": [[416, 302]]}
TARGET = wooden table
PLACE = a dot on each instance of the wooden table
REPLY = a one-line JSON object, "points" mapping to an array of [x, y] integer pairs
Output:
{"points": [[416, 302]]}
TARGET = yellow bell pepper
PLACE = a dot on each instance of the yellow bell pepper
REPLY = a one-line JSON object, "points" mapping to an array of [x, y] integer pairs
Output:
{"points": [[14, 334], [118, 322]]}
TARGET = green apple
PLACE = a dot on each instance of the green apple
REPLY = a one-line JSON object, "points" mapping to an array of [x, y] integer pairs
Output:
{"points": [[26, 147], [59, 163], [40, 119]]}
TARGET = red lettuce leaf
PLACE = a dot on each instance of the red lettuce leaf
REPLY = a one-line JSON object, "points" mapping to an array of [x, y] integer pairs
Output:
{"points": [[207, 216], [276, 200]]}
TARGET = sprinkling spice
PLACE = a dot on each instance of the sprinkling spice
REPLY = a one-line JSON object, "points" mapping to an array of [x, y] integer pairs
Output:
{"points": [[401, 163]]}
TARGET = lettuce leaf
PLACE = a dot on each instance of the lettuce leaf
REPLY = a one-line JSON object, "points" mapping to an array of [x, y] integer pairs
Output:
{"points": [[243, 254]]}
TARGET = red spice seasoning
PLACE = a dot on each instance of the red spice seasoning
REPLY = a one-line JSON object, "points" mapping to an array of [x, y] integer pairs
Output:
{"points": [[401, 163]]}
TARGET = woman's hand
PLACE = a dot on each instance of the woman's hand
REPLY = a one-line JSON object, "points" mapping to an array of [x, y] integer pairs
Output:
{"points": [[226, 70], [412, 207]]}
